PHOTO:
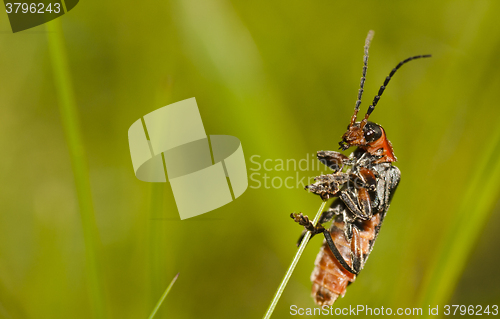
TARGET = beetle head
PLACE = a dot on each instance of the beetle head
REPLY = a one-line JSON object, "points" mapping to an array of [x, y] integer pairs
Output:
{"points": [[370, 137], [361, 136]]}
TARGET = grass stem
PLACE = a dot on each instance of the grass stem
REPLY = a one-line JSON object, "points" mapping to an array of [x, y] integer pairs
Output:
{"points": [[72, 131], [464, 229], [295, 260], [163, 297]]}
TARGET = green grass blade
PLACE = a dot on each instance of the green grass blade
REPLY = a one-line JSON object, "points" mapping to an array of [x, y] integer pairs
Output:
{"points": [[295, 260], [163, 297], [72, 131], [465, 228], [157, 248]]}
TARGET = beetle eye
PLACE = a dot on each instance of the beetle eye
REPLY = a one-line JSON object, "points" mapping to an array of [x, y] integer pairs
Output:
{"points": [[372, 132]]}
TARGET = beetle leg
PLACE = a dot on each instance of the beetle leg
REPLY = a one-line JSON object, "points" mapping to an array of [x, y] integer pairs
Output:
{"points": [[358, 201], [364, 178], [369, 178], [334, 160], [367, 160], [357, 198], [308, 225], [304, 221], [334, 210], [326, 216], [328, 185], [337, 254], [302, 237]]}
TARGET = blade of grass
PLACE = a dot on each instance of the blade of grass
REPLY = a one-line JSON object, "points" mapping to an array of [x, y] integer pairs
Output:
{"points": [[295, 260], [74, 141], [163, 297], [157, 244], [464, 230]]}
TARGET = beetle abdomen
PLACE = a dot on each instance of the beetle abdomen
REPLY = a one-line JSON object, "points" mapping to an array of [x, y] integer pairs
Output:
{"points": [[329, 278]]}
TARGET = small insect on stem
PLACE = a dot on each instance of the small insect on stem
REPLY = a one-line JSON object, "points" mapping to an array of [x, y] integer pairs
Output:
{"points": [[363, 185]]}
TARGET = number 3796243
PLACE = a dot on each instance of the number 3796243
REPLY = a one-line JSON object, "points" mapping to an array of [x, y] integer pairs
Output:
{"points": [[470, 310], [23, 7]]}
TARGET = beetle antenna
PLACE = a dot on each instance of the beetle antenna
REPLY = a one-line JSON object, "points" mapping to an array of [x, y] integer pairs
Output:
{"points": [[368, 40], [382, 88]]}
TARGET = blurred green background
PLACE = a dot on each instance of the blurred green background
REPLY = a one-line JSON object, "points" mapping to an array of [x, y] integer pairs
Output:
{"points": [[283, 78]]}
